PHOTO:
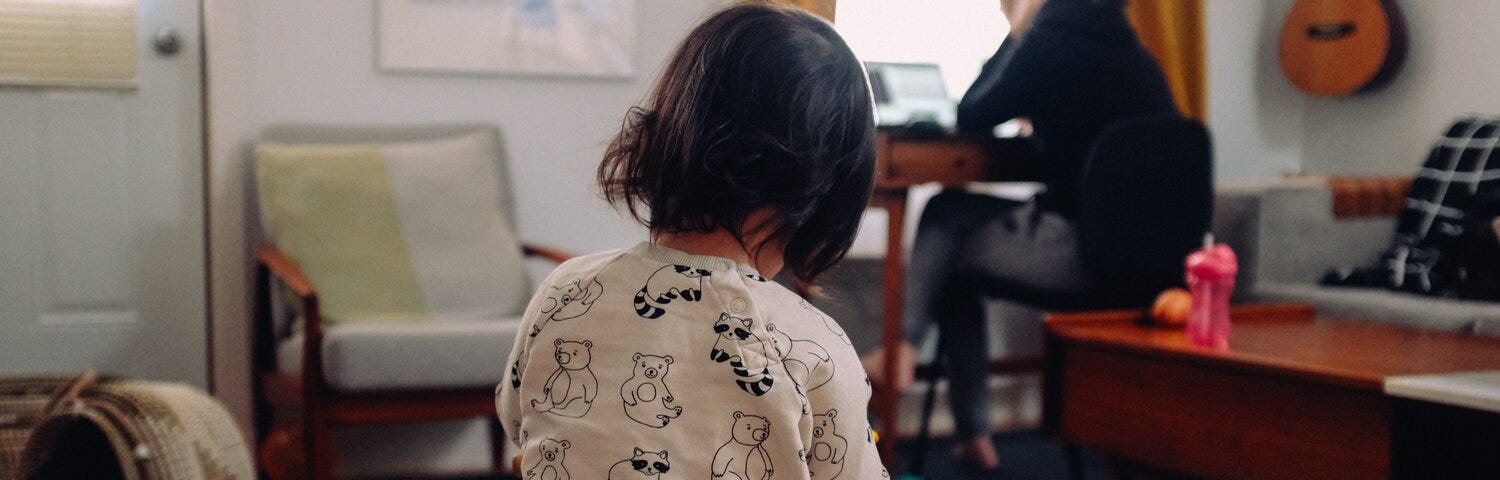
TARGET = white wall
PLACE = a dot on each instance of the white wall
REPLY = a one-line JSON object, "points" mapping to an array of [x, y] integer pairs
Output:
{"points": [[1263, 127], [1253, 112], [297, 60], [1453, 67]]}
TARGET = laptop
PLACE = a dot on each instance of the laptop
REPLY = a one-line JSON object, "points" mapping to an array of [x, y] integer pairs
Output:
{"points": [[906, 93]]}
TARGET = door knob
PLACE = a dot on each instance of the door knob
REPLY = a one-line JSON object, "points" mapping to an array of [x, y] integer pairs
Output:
{"points": [[166, 42]]}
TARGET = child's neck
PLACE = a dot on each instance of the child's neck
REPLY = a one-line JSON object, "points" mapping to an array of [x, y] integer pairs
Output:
{"points": [[720, 243]]}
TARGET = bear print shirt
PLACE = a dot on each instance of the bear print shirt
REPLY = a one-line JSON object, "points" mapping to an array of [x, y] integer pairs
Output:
{"points": [[651, 363]]}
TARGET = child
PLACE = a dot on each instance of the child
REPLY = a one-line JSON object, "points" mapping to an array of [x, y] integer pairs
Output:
{"points": [[754, 153]]}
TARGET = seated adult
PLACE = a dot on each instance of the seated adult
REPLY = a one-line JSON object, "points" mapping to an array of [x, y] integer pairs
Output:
{"points": [[1069, 68]]}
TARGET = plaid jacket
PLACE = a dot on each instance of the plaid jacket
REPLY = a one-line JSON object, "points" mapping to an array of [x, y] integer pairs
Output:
{"points": [[1427, 254]]}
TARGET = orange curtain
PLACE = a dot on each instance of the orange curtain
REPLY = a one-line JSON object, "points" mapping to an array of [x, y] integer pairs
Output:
{"points": [[1173, 31], [823, 8]]}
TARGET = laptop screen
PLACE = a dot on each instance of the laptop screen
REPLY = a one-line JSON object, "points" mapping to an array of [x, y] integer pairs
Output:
{"points": [[908, 92]]}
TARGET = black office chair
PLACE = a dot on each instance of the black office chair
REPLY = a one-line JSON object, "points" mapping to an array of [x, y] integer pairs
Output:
{"points": [[1145, 201]]}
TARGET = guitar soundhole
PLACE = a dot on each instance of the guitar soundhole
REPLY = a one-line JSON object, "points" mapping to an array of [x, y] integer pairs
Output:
{"points": [[1330, 31]]}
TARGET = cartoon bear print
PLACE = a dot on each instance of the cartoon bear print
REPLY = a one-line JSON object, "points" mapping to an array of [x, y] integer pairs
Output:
{"points": [[648, 401], [832, 326], [828, 447], [754, 373], [808, 363], [549, 463], [743, 457], [662, 287], [567, 301], [570, 391], [641, 465]]}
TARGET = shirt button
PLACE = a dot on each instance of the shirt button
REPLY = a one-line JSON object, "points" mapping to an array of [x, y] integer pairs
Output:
{"points": [[737, 305]]}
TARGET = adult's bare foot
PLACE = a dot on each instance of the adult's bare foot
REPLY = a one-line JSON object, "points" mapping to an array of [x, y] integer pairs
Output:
{"points": [[977, 453], [906, 367]]}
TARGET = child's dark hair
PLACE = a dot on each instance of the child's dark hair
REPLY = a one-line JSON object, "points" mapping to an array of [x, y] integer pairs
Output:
{"points": [[761, 106]]}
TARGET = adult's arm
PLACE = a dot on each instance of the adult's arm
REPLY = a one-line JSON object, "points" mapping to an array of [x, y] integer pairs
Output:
{"points": [[1019, 81]]}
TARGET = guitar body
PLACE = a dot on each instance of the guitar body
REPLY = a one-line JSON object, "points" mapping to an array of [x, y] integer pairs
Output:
{"points": [[1338, 47]]}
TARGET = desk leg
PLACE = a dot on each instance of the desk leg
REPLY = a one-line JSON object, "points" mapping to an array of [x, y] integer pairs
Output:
{"points": [[888, 401]]}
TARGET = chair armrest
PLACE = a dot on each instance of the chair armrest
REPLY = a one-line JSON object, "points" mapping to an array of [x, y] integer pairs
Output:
{"points": [[549, 253], [284, 269]]}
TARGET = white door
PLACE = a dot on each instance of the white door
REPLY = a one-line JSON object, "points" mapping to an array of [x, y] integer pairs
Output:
{"points": [[101, 217]]}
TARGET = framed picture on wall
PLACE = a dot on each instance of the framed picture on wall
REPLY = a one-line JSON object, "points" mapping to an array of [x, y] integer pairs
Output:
{"points": [[589, 38]]}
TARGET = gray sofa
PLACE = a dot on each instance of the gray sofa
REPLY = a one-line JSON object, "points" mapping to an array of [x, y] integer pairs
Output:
{"points": [[1287, 237]]}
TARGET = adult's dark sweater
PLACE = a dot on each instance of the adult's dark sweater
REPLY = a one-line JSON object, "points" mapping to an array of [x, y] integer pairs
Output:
{"points": [[1077, 70]]}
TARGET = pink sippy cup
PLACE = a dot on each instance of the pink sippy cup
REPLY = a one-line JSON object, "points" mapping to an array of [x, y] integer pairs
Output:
{"points": [[1210, 278]]}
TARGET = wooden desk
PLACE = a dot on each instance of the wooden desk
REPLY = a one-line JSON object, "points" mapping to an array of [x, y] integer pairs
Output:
{"points": [[902, 163], [1294, 396]]}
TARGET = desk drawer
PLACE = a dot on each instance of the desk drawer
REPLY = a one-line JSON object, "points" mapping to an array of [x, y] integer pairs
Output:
{"points": [[907, 162]]}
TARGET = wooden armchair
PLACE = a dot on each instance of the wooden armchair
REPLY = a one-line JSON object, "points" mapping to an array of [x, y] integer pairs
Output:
{"points": [[322, 407], [393, 250]]}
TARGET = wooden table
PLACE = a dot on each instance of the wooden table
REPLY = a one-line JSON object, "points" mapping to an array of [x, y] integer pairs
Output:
{"points": [[904, 162], [1294, 395]]}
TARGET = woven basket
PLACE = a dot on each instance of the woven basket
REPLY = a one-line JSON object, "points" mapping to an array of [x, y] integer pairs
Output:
{"points": [[134, 431], [21, 402]]}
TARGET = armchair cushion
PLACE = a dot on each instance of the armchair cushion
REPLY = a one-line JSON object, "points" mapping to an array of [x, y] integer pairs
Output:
{"points": [[398, 231], [382, 355]]}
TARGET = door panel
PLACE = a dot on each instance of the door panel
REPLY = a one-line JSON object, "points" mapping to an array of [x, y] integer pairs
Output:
{"points": [[102, 260]]}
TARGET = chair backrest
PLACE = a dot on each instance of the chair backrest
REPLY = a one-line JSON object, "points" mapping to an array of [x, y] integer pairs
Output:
{"points": [[314, 133], [1145, 203], [395, 223]]}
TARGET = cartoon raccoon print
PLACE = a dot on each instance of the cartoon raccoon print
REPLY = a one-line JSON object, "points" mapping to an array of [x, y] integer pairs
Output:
{"points": [[664, 286], [515, 374], [808, 363], [567, 301], [641, 465], [754, 373]]}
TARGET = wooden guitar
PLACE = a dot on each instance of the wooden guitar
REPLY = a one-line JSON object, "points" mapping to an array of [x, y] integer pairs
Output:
{"points": [[1337, 47]]}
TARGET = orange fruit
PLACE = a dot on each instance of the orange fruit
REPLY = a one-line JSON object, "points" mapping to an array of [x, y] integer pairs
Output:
{"points": [[1171, 307]]}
